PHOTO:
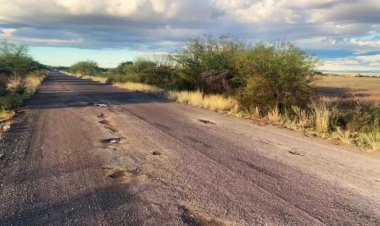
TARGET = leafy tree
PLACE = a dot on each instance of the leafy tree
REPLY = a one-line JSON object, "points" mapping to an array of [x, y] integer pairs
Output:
{"points": [[208, 60], [124, 68], [14, 59], [275, 76], [85, 68]]}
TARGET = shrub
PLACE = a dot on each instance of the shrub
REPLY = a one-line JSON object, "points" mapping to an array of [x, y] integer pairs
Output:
{"points": [[14, 60], [89, 68], [275, 75], [207, 63]]}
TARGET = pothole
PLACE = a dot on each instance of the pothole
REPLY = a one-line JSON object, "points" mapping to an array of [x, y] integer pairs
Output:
{"points": [[205, 121], [156, 153], [2, 156], [121, 175], [192, 219], [104, 122], [115, 140], [293, 152], [113, 130], [101, 115]]}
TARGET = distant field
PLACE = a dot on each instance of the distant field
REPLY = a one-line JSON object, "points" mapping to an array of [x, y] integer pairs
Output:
{"points": [[347, 88]]}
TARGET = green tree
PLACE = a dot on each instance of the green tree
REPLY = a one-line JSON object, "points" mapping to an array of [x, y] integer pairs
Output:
{"points": [[14, 59], [208, 62], [85, 68], [275, 76]]}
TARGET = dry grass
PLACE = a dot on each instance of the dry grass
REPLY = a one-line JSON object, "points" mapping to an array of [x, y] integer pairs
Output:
{"points": [[198, 99], [348, 88], [322, 119], [32, 81], [5, 115], [14, 83], [343, 136], [370, 140], [99, 79], [139, 87], [274, 116]]}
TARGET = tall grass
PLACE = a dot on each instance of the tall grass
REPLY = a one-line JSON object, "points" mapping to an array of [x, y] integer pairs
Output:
{"points": [[99, 79], [214, 102], [322, 119], [274, 116], [139, 87], [370, 140]]}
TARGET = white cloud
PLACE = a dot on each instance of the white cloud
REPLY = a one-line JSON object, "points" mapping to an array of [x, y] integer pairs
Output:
{"points": [[352, 64], [6, 33], [330, 25]]}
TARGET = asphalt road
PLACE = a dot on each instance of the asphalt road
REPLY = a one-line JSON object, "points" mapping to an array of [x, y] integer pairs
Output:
{"points": [[140, 160]]}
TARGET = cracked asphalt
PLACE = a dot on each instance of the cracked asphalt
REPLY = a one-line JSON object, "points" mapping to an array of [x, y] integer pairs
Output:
{"points": [[84, 153]]}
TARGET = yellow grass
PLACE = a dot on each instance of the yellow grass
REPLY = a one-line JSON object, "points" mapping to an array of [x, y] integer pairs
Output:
{"points": [[274, 116], [5, 115], [99, 79], [321, 120], [370, 140], [32, 81], [342, 135], [139, 87], [196, 98]]}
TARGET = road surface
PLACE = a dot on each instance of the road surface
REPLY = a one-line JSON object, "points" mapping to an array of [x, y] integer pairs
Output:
{"points": [[84, 153]]}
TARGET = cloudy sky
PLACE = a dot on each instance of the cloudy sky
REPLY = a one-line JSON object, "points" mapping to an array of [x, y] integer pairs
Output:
{"points": [[344, 33]]}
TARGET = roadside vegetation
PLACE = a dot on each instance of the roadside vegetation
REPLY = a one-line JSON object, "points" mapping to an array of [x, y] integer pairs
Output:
{"points": [[20, 75], [275, 83]]}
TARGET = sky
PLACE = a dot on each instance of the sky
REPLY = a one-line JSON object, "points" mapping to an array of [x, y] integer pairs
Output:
{"points": [[344, 34]]}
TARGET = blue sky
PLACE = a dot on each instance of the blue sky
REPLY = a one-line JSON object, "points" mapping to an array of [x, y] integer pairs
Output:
{"points": [[345, 34]]}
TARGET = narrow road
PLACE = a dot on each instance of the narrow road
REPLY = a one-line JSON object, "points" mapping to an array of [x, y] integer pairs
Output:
{"points": [[83, 153]]}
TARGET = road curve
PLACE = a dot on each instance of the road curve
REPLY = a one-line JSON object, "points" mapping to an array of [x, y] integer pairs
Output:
{"points": [[84, 153]]}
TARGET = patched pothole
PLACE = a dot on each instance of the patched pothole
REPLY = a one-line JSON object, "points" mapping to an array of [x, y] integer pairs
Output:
{"points": [[156, 153], [115, 140], [205, 121], [294, 152], [104, 122]]}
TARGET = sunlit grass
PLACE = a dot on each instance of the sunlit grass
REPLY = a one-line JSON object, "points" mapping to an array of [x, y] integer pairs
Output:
{"points": [[370, 140], [99, 79], [213, 102], [139, 87], [5, 115]]}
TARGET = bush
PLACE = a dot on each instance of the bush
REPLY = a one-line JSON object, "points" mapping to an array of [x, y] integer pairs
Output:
{"points": [[15, 61], [89, 68], [207, 63], [275, 76]]}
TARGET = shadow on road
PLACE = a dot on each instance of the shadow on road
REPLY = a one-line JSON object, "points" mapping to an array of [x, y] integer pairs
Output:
{"points": [[82, 209], [61, 91]]}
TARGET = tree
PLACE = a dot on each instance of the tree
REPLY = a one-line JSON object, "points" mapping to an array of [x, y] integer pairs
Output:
{"points": [[207, 60], [14, 59], [275, 76], [85, 68]]}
